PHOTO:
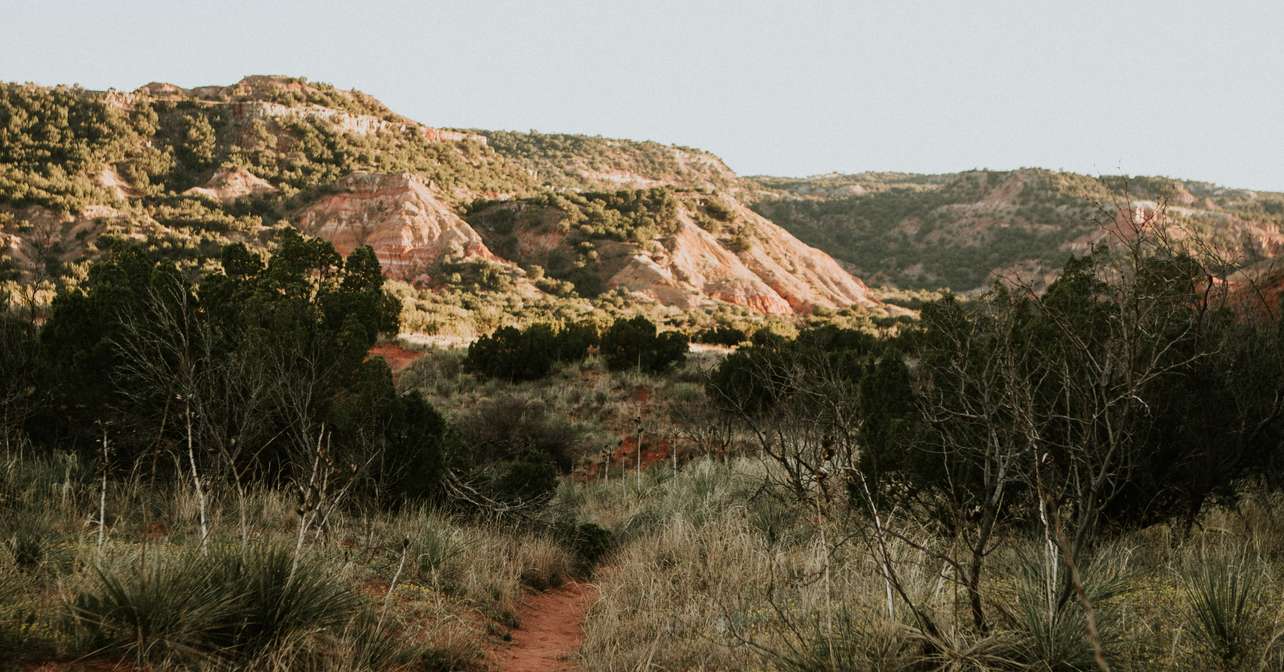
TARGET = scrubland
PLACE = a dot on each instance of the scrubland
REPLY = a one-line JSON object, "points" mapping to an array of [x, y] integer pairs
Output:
{"points": [[1083, 478]]}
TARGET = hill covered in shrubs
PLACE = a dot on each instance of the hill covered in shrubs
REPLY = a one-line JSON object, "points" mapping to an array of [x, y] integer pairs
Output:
{"points": [[186, 172], [962, 231]]}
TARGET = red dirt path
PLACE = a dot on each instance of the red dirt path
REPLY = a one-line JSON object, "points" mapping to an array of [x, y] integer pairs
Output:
{"points": [[551, 631], [397, 357]]}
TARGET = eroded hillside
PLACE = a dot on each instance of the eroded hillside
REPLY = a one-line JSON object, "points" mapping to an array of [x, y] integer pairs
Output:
{"points": [[190, 170], [964, 230], [680, 248]]}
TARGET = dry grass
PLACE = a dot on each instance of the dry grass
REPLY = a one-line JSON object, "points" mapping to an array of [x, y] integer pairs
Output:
{"points": [[709, 570], [715, 575], [461, 586]]}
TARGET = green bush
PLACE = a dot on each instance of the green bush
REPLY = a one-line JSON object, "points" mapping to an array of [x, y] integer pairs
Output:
{"points": [[721, 335], [590, 542], [572, 342], [528, 354], [242, 343], [514, 354], [753, 378], [635, 343]]}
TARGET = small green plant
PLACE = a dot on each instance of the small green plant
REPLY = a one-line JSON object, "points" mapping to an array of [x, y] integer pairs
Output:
{"points": [[1224, 607], [1051, 624]]}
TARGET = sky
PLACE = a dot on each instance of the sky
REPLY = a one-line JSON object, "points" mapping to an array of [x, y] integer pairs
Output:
{"points": [[1184, 89]]}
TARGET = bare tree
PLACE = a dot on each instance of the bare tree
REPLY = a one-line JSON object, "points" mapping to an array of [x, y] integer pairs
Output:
{"points": [[160, 352]]}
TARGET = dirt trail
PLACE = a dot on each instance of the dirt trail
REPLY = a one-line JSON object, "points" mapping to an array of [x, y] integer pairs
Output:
{"points": [[397, 357], [551, 631]]}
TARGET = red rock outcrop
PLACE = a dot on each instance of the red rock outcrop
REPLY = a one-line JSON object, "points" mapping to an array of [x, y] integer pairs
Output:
{"points": [[396, 215]]}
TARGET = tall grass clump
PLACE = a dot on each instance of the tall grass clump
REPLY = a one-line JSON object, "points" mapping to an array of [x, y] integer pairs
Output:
{"points": [[1224, 609], [154, 609], [230, 605], [18, 609], [847, 641]]}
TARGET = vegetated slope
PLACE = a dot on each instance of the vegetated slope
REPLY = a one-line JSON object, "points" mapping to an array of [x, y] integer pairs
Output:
{"points": [[580, 162], [684, 248], [963, 230], [189, 170]]}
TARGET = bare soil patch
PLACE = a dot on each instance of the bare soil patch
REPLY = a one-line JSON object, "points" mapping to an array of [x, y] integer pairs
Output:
{"points": [[550, 632]]}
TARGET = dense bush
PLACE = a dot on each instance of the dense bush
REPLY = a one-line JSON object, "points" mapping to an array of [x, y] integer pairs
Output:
{"points": [[590, 542], [513, 450], [635, 343], [574, 341], [263, 362], [19, 357], [528, 354], [514, 354], [754, 377], [721, 335]]}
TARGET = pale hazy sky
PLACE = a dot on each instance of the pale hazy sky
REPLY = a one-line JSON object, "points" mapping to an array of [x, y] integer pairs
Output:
{"points": [[1188, 89]]}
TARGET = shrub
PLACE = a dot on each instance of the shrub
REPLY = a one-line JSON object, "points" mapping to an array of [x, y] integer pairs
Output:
{"points": [[513, 449], [753, 378], [573, 342], [718, 210], [140, 332], [414, 462], [589, 541], [513, 354], [636, 343], [722, 335], [528, 354], [743, 380]]}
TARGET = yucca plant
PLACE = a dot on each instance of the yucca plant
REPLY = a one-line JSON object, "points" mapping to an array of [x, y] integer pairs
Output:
{"points": [[361, 645], [228, 605], [1051, 624], [957, 650], [1225, 611], [274, 597], [153, 609]]}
